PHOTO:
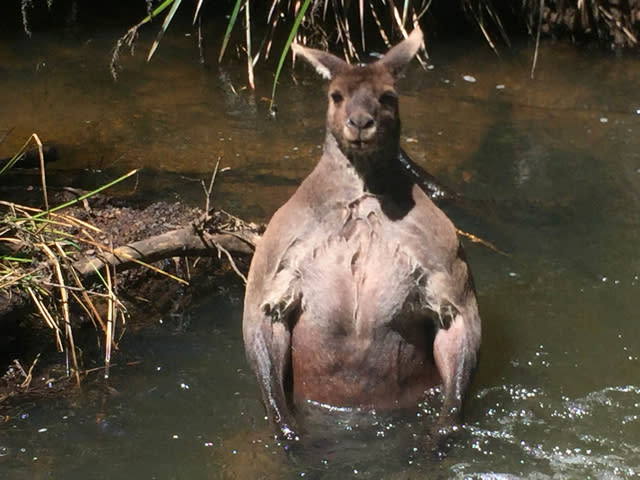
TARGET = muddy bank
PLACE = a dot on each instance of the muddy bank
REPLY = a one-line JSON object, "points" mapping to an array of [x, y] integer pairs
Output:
{"points": [[615, 23], [181, 253]]}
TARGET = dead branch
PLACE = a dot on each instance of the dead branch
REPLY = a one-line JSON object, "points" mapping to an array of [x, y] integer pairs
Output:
{"points": [[193, 240]]}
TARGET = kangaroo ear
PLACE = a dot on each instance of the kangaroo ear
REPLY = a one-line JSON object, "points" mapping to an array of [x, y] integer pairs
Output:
{"points": [[400, 55], [326, 64]]}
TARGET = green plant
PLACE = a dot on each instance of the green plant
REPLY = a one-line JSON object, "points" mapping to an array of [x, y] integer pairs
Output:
{"points": [[312, 17], [36, 258]]}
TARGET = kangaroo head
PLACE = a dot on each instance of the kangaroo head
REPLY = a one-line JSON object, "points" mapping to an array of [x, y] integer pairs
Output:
{"points": [[363, 102]]}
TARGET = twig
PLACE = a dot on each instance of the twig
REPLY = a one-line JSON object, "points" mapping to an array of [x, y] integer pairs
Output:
{"points": [[220, 248], [208, 190], [46, 316], [28, 376], [248, 40], [200, 37], [400, 24], [381, 31], [618, 25], [109, 332], [6, 134], [535, 54], [480, 22], [481, 241], [64, 297], [43, 177]]}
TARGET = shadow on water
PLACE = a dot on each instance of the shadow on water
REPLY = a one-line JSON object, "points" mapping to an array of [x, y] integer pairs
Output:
{"points": [[550, 173]]}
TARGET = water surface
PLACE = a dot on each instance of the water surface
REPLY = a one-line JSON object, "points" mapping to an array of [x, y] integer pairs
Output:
{"points": [[550, 169]]}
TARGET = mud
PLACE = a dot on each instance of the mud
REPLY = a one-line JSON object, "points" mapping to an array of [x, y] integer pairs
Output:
{"points": [[147, 295]]}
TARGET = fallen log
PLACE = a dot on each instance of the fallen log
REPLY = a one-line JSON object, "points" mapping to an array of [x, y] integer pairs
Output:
{"points": [[183, 242]]}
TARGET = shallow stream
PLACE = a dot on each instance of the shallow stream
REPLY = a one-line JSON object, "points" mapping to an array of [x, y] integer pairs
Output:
{"points": [[550, 169]]}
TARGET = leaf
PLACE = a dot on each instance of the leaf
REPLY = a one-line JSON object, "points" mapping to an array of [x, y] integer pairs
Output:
{"points": [[86, 195], [165, 25], [156, 11], [195, 15], [287, 46], [227, 34]]}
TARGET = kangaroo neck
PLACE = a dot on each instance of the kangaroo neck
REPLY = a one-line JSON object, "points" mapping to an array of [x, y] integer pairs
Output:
{"points": [[377, 170]]}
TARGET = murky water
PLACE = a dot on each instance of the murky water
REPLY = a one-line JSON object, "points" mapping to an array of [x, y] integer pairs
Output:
{"points": [[551, 171]]}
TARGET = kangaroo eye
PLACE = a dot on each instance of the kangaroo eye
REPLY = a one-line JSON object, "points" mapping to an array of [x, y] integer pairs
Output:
{"points": [[388, 99], [337, 97]]}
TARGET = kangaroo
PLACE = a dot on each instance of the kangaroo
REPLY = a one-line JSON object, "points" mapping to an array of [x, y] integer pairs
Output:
{"points": [[359, 294]]}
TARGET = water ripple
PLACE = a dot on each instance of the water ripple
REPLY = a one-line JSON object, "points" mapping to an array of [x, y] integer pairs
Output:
{"points": [[527, 430]]}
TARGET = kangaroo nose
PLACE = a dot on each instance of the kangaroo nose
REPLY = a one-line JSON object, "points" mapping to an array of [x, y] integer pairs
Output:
{"points": [[360, 127], [360, 122]]}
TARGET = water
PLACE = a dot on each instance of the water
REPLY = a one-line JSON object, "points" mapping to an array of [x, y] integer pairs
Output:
{"points": [[551, 168]]}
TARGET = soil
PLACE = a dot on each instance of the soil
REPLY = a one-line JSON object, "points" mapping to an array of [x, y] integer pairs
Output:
{"points": [[146, 294]]}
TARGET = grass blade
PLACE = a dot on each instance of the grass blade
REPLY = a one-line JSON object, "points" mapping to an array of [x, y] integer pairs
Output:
{"points": [[12, 161], [361, 8], [195, 15], [108, 341], [227, 34], [16, 259], [165, 25], [18, 156], [248, 40], [46, 316], [66, 317], [86, 195], [156, 11], [405, 11], [43, 177], [287, 46]]}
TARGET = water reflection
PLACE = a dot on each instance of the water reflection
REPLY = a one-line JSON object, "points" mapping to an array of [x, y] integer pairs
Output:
{"points": [[529, 433], [551, 171]]}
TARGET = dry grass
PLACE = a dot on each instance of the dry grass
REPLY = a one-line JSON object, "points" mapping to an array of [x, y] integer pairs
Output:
{"points": [[37, 249], [343, 23]]}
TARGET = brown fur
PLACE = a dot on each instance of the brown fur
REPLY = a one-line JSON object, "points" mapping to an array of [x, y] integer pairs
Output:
{"points": [[358, 294]]}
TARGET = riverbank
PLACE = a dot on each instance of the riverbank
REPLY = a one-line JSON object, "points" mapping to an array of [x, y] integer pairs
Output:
{"points": [[102, 264]]}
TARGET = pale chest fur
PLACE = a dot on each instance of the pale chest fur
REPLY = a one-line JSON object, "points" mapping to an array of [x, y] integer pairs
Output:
{"points": [[362, 298], [359, 275]]}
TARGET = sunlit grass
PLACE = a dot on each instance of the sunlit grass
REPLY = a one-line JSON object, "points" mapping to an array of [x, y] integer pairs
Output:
{"points": [[345, 23], [37, 248]]}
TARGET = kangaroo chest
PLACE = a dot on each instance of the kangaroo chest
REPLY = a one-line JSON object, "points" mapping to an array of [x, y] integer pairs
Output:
{"points": [[362, 337], [360, 276]]}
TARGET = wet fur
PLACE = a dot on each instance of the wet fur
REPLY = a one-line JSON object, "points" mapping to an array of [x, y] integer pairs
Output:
{"points": [[359, 294]]}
